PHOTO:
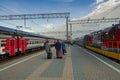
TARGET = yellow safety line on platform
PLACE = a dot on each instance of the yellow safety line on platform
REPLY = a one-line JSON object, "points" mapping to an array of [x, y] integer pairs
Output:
{"points": [[68, 70]]}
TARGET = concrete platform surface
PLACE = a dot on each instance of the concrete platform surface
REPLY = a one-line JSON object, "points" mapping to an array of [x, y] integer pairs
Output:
{"points": [[77, 64]]}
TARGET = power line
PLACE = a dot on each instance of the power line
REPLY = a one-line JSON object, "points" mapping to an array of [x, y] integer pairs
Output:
{"points": [[34, 23], [104, 20], [6, 10], [9, 23]]}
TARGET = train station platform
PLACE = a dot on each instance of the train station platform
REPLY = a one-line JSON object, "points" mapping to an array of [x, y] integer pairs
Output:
{"points": [[77, 64]]}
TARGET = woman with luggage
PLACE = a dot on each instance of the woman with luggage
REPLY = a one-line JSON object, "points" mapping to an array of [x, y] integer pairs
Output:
{"points": [[48, 49], [59, 53]]}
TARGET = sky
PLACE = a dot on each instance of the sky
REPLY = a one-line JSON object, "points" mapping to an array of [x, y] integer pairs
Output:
{"points": [[77, 9]]}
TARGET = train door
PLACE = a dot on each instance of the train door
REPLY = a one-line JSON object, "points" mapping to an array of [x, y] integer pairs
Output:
{"points": [[12, 47], [23, 45], [18, 45]]}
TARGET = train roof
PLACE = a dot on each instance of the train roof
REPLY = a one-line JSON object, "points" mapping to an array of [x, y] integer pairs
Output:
{"points": [[109, 28], [5, 29], [10, 31], [117, 25]]}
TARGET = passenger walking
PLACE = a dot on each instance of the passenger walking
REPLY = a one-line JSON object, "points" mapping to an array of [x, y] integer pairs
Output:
{"points": [[63, 48], [48, 49], [59, 53]]}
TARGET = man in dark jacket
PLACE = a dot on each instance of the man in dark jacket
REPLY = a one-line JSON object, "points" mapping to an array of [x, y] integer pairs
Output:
{"points": [[57, 47]]}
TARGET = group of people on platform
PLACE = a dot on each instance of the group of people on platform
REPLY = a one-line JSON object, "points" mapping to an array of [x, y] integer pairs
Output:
{"points": [[60, 49]]}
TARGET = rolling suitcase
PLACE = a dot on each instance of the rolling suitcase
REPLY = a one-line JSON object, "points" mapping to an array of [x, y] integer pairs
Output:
{"points": [[49, 55]]}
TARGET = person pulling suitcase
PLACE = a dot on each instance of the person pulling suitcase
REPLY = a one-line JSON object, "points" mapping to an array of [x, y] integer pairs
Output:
{"points": [[48, 49]]}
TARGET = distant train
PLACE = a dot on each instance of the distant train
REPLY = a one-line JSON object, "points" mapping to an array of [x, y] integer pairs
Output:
{"points": [[106, 42], [14, 42]]}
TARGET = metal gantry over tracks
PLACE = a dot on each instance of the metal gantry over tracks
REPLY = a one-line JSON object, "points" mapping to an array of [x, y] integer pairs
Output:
{"points": [[24, 17], [89, 21], [103, 20]]}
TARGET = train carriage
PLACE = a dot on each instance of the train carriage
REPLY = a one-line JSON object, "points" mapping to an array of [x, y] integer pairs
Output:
{"points": [[111, 38], [14, 42], [105, 42], [33, 43]]}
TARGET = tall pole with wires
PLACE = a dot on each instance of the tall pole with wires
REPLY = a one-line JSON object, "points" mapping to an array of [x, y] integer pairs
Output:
{"points": [[70, 31], [24, 21], [66, 28]]}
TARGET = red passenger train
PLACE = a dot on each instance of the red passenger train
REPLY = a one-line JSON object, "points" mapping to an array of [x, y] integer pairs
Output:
{"points": [[13, 42], [106, 42]]}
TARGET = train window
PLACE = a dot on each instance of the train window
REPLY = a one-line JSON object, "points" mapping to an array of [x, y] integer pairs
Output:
{"points": [[118, 26], [32, 42], [37, 42], [112, 35], [99, 37], [102, 37], [40, 41], [114, 28], [28, 42], [3, 43]]}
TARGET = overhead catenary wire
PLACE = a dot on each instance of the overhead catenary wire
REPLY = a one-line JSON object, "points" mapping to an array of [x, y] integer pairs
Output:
{"points": [[86, 21], [7, 11], [8, 23]]}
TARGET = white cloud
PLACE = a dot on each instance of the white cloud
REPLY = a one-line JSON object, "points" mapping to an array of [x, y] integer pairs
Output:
{"points": [[97, 2], [104, 9], [48, 26]]}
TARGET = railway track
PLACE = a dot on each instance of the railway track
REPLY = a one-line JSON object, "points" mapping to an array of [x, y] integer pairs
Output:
{"points": [[9, 59]]}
